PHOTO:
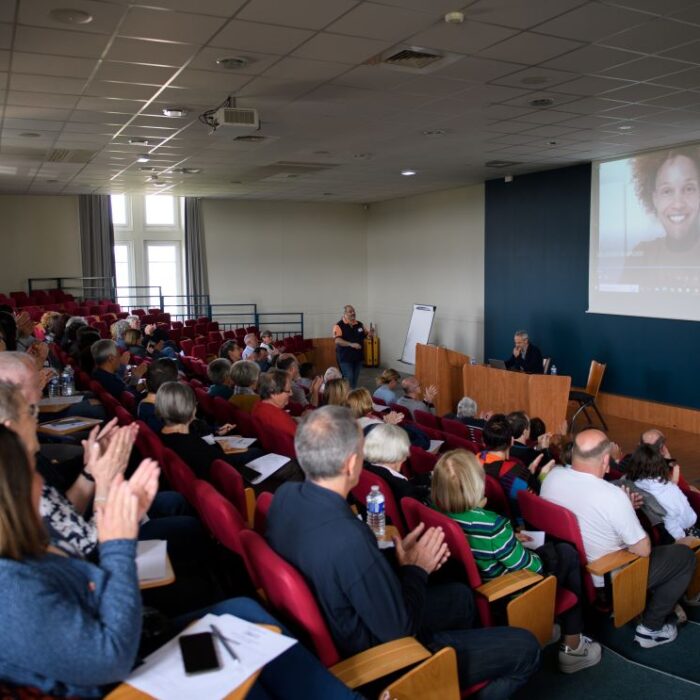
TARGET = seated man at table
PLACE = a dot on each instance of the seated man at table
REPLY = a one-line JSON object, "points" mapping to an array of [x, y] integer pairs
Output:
{"points": [[107, 365], [608, 523], [526, 357], [363, 600], [416, 398]]}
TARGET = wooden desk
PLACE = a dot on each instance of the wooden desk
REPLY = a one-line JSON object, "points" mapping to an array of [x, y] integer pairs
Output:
{"points": [[158, 582], [501, 391], [443, 368]]}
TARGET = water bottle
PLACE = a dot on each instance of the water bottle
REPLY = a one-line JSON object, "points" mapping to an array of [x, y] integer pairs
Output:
{"points": [[54, 387], [376, 518], [67, 381], [553, 370], [472, 361]]}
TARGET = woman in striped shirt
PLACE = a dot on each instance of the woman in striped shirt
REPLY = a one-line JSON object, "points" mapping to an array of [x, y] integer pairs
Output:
{"points": [[458, 489]]}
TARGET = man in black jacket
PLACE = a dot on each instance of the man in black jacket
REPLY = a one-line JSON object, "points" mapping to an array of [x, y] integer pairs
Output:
{"points": [[525, 357], [365, 602]]}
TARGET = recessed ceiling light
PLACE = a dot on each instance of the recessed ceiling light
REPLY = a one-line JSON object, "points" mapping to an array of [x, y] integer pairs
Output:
{"points": [[625, 127], [454, 17], [233, 62], [552, 143], [541, 102], [174, 112], [143, 158], [187, 171], [70, 16], [408, 173], [52, 181], [434, 133], [30, 135], [138, 141]]}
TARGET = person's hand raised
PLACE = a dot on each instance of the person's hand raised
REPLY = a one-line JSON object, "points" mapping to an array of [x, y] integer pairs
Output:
{"points": [[532, 468], [428, 552], [105, 466], [393, 417], [429, 393], [124, 358], [117, 518], [144, 485]]}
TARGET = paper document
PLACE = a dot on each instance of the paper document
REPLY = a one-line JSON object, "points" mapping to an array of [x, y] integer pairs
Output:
{"points": [[378, 408], [267, 465], [209, 439], [61, 400], [151, 559], [537, 539], [435, 446], [163, 676], [62, 426], [234, 442]]}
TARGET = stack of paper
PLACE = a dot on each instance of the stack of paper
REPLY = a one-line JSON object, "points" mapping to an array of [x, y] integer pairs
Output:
{"points": [[267, 465], [151, 559]]}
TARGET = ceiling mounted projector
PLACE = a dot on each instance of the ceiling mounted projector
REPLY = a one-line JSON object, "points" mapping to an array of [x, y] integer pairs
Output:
{"points": [[237, 117]]}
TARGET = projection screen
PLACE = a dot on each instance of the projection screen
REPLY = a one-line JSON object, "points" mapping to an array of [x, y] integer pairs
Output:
{"points": [[645, 235]]}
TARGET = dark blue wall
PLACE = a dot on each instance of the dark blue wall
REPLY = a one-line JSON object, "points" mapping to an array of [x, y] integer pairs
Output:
{"points": [[537, 236]]}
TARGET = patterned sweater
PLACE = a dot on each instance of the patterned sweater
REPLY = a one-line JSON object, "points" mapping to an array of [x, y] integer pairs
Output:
{"points": [[494, 546]]}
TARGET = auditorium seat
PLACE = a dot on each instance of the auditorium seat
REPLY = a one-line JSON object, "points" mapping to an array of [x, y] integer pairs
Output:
{"points": [[220, 516], [426, 419], [262, 508], [391, 507], [230, 484]]}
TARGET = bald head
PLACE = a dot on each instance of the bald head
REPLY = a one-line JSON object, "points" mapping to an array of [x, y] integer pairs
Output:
{"points": [[591, 452], [18, 368], [411, 387], [653, 436]]}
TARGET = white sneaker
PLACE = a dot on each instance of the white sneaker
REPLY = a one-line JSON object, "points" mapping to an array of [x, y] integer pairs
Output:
{"points": [[587, 655], [648, 638]]}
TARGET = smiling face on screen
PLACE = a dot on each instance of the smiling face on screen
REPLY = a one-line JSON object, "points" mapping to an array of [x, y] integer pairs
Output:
{"points": [[677, 197]]}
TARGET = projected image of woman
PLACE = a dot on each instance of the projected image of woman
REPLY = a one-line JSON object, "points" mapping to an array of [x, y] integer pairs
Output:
{"points": [[667, 183]]}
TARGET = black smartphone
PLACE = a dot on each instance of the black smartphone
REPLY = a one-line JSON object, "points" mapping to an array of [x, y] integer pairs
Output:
{"points": [[199, 653]]}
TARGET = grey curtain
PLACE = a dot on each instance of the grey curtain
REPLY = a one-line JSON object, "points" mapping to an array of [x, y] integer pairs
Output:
{"points": [[197, 278], [97, 245]]}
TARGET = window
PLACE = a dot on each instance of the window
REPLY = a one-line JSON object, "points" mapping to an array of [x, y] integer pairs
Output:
{"points": [[164, 270], [160, 210], [122, 271], [119, 214]]}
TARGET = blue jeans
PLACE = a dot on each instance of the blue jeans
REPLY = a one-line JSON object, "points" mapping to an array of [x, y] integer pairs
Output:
{"points": [[351, 372], [295, 675], [505, 656]]}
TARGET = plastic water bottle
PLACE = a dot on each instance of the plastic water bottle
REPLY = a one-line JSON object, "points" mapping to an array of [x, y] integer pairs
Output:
{"points": [[54, 387], [553, 370], [376, 518], [472, 361], [67, 381]]}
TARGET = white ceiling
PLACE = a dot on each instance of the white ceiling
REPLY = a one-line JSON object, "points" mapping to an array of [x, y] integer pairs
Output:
{"points": [[323, 100]]}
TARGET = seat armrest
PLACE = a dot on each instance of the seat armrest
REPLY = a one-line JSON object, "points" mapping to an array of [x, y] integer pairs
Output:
{"points": [[509, 583], [379, 661], [610, 562], [249, 506]]}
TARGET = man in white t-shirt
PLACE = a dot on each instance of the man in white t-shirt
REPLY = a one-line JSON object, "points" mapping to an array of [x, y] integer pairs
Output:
{"points": [[608, 523]]}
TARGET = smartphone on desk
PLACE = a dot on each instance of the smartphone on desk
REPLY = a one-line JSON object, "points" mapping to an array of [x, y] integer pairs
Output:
{"points": [[199, 653]]}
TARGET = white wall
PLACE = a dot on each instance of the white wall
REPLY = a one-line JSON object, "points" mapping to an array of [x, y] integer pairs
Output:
{"points": [[40, 237], [288, 256], [428, 249]]}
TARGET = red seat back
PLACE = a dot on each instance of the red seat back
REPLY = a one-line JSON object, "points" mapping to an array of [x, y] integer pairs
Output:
{"points": [[403, 410], [495, 498], [262, 508], [149, 444], [391, 507], [200, 352], [128, 400], [205, 402], [424, 418], [455, 427], [458, 443], [229, 483], [180, 476], [288, 593], [559, 522], [220, 517], [422, 461], [123, 416]]}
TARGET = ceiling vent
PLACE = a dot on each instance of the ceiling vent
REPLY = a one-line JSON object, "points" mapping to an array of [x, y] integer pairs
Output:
{"points": [[251, 138], [501, 163], [237, 117], [413, 59], [64, 155]]}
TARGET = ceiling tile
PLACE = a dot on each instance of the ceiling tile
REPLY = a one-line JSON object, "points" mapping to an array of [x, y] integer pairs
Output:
{"points": [[654, 6], [303, 69], [133, 73], [632, 111], [41, 99], [105, 104], [210, 80], [482, 70], [639, 92], [41, 64], [546, 116], [152, 52], [371, 77], [171, 26], [592, 22], [647, 68], [518, 14], [687, 79], [126, 91], [381, 22], [591, 85], [536, 77], [105, 16], [265, 38], [218, 8], [591, 59], [469, 37], [689, 52], [590, 105], [529, 47], [691, 14], [344, 49], [40, 83], [306, 14], [678, 100], [657, 35], [14, 112], [54, 41], [435, 7]]}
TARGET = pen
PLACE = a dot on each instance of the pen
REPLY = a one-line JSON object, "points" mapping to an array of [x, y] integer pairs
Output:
{"points": [[217, 633]]}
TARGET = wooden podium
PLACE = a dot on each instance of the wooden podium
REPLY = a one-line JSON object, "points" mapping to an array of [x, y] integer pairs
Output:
{"points": [[496, 390]]}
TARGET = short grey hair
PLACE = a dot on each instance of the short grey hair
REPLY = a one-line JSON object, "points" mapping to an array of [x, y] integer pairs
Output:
{"points": [[245, 373], [10, 401], [466, 408], [324, 440], [118, 328], [218, 370], [103, 350], [387, 444], [272, 382], [73, 320], [176, 403], [249, 336], [522, 334]]}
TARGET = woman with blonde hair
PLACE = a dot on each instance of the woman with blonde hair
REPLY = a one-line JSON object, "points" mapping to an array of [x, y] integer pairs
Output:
{"points": [[336, 392], [387, 382], [458, 491]]}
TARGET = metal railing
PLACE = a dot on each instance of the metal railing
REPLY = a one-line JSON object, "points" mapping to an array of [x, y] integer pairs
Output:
{"points": [[140, 297], [281, 323], [80, 287], [232, 316]]}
